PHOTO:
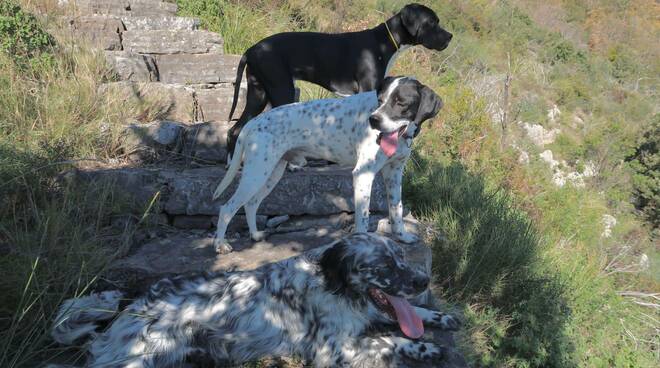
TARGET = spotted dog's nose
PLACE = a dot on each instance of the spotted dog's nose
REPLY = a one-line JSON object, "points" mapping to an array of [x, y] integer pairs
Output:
{"points": [[420, 282], [374, 121]]}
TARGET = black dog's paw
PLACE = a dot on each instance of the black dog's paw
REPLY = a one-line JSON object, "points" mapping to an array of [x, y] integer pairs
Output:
{"points": [[445, 321]]}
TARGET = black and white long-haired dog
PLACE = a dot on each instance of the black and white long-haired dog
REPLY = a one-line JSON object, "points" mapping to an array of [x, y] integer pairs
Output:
{"points": [[319, 306]]}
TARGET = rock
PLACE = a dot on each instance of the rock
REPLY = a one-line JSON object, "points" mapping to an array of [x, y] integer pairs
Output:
{"points": [[197, 68], [132, 67], [172, 42], [553, 113], [548, 158], [276, 221], [126, 7], [149, 140], [609, 222], [237, 223], [206, 142], [300, 223], [176, 101], [539, 135], [102, 32], [523, 158], [213, 104], [314, 191], [136, 23]]}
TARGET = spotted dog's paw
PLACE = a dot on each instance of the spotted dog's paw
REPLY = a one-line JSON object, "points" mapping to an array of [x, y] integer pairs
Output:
{"points": [[221, 246], [258, 236], [445, 321], [407, 237], [424, 351]]}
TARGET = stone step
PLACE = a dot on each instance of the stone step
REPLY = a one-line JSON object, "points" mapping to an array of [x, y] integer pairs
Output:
{"points": [[136, 23], [183, 103], [176, 252], [164, 140], [317, 191], [134, 67], [197, 68], [152, 8], [172, 42]]}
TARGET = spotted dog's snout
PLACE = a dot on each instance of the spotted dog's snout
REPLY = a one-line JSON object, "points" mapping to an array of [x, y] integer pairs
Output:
{"points": [[374, 121]]}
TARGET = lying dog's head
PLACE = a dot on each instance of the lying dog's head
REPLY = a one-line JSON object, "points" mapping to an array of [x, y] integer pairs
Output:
{"points": [[369, 268], [403, 105], [423, 26]]}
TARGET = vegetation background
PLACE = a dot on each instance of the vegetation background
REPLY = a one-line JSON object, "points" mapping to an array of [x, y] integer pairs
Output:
{"points": [[528, 264]]}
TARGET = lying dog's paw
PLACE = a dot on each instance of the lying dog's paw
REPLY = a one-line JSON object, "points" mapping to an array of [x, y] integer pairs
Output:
{"points": [[222, 247], [406, 237], [424, 351], [445, 321]]}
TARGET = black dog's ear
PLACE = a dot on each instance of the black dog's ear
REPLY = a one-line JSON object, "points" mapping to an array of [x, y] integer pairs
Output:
{"points": [[410, 19], [429, 105]]}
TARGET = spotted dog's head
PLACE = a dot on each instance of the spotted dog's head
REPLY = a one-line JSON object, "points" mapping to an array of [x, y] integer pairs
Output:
{"points": [[424, 27], [403, 105], [369, 268]]}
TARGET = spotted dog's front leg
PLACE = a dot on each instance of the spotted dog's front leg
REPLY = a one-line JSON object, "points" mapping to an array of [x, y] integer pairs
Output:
{"points": [[438, 319], [393, 177], [363, 178], [386, 351]]}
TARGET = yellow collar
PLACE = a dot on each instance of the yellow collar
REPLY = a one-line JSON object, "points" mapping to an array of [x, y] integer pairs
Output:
{"points": [[391, 37]]}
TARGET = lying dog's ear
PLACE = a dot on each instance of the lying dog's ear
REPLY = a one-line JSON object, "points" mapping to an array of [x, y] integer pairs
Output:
{"points": [[336, 268]]}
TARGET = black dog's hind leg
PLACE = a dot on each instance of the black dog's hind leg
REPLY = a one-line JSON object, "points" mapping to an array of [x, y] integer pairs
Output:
{"points": [[256, 101]]}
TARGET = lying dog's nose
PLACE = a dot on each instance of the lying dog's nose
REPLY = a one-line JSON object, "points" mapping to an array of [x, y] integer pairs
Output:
{"points": [[449, 36], [374, 121], [420, 282]]}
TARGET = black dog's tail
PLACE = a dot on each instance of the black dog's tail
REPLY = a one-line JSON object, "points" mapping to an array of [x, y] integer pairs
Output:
{"points": [[237, 84]]}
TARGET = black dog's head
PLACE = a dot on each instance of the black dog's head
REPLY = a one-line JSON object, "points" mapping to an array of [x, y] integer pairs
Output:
{"points": [[369, 268], [422, 24], [403, 105]]}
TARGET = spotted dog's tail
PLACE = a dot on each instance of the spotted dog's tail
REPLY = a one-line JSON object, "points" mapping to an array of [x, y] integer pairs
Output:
{"points": [[80, 317], [237, 84], [234, 165]]}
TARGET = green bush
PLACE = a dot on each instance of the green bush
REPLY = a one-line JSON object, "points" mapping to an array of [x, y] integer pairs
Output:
{"points": [[21, 35], [489, 253], [646, 178]]}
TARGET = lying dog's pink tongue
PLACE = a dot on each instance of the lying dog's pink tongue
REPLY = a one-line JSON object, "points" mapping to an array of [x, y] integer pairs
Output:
{"points": [[410, 323], [388, 142]]}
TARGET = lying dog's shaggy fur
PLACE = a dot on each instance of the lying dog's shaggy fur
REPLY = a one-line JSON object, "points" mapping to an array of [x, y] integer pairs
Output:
{"points": [[318, 306]]}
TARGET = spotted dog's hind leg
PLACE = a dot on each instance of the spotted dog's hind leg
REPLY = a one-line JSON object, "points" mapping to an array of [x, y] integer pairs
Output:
{"points": [[386, 351], [257, 169], [252, 206]]}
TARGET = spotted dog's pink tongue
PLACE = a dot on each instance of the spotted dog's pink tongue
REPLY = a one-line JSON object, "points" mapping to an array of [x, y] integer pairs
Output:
{"points": [[410, 323], [388, 142]]}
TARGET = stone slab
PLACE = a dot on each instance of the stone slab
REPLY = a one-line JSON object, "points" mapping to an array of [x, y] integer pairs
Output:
{"points": [[213, 104], [132, 67], [197, 68], [160, 23], [172, 42], [102, 32], [206, 142], [313, 191], [124, 7]]}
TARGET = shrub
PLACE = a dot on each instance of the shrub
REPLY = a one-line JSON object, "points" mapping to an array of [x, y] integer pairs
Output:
{"points": [[646, 178], [21, 35]]}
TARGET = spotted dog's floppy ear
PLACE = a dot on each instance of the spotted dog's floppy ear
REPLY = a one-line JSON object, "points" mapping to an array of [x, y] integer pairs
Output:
{"points": [[429, 105]]}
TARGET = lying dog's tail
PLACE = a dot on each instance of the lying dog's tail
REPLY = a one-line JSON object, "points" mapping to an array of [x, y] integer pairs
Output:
{"points": [[80, 317], [237, 84], [234, 165]]}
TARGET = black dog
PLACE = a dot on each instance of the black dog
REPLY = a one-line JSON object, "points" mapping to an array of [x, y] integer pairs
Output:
{"points": [[345, 63]]}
